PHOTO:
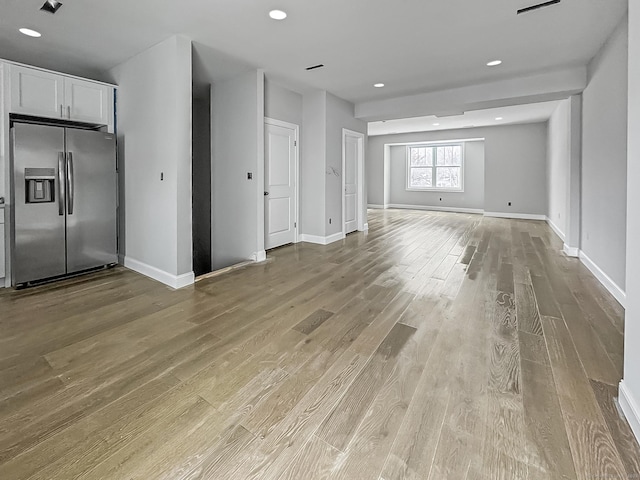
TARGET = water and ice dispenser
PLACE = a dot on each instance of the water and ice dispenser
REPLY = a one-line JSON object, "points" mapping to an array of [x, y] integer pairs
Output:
{"points": [[40, 185]]}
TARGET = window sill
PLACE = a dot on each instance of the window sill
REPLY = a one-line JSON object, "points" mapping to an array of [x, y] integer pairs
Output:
{"points": [[439, 190]]}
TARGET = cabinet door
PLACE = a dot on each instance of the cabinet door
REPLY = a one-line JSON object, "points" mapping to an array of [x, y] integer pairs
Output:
{"points": [[87, 101], [34, 92]]}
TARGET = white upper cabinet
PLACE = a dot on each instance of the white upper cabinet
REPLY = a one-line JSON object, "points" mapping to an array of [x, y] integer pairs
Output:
{"points": [[34, 92], [46, 94], [87, 101]]}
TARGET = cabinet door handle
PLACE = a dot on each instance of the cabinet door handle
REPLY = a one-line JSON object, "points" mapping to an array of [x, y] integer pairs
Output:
{"points": [[61, 111], [69, 111]]}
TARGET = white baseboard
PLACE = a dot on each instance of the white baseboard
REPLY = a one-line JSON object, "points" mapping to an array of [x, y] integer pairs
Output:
{"points": [[571, 251], [516, 216], [174, 281], [260, 256], [317, 239], [376, 207], [555, 228], [630, 408], [436, 208], [334, 238], [609, 284]]}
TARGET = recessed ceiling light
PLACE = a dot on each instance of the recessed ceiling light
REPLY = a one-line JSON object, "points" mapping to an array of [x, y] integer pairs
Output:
{"points": [[30, 33], [378, 85], [499, 118], [436, 124], [494, 63], [278, 14]]}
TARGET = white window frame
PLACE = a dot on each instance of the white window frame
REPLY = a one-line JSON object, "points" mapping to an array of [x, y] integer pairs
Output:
{"points": [[434, 168]]}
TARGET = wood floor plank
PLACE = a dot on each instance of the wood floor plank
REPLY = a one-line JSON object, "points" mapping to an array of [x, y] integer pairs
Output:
{"points": [[527, 310], [592, 447], [626, 443], [338, 429]]}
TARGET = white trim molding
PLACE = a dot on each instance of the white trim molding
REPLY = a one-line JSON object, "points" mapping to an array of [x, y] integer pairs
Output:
{"points": [[557, 230], [436, 209], [516, 216], [376, 207], [173, 281], [571, 251], [630, 408], [318, 240], [605, 279], [365, 228], [260, 256]]}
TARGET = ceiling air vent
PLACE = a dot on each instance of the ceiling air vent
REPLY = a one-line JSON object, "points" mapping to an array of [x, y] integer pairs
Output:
{"points": [[538, 6], [320, 65], [51, 6]]}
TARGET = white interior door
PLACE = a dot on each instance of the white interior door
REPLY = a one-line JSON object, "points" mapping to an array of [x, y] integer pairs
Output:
{"points": [[280, 184], [352, 145]]}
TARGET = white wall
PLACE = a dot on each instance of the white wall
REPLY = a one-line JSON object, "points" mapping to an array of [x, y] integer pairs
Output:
{"points": [[340, 114], [154, 135], [604, 158], [558, 165], [237, 146], [515, 165], [630, 387], [472, 197]]}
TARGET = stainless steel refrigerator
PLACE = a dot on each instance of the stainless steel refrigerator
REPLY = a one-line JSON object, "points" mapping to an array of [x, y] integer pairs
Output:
{"points": [[64, 189]]}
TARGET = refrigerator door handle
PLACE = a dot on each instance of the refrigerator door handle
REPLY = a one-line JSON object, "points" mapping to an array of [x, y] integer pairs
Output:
{"points": [[61, 193], [70, 183]]}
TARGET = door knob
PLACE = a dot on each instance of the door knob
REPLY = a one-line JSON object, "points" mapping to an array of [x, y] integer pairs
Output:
{"points": [[266, 193]]}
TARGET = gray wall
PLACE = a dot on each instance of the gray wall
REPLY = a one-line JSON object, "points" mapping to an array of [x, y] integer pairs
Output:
{"points": [[472, 197], [154, 133], [515, 165], [558, 164], [631, 382], [340, 114], [604, 158], [281, 103], [312, 164], [237, 136]]}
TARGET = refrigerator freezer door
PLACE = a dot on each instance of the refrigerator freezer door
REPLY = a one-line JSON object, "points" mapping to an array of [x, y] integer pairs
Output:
{"points": [[91, 201], [38, 239]]}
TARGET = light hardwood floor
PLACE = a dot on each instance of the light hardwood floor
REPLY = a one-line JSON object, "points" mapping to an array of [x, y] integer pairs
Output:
{"points": [[437, 346]]}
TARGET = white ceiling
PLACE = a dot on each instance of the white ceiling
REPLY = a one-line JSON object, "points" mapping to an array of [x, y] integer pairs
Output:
{"points": [[530, 113], [412, 46]]}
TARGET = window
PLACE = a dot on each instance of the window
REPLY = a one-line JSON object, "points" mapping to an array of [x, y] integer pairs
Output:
{"points": [[435, 167]]}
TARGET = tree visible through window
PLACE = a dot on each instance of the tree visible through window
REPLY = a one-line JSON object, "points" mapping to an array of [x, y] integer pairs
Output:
{"points": [[434, 167]]}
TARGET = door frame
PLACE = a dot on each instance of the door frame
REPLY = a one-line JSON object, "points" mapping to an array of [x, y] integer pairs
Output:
{"points": [[296, 174], [359, 178]]}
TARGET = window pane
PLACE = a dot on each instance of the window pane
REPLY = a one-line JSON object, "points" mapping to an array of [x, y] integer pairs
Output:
{"points": [[421, 156], [429, 155], [450, 155], [418, 157], [421, 177], [448, 177], [457, 155]]}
